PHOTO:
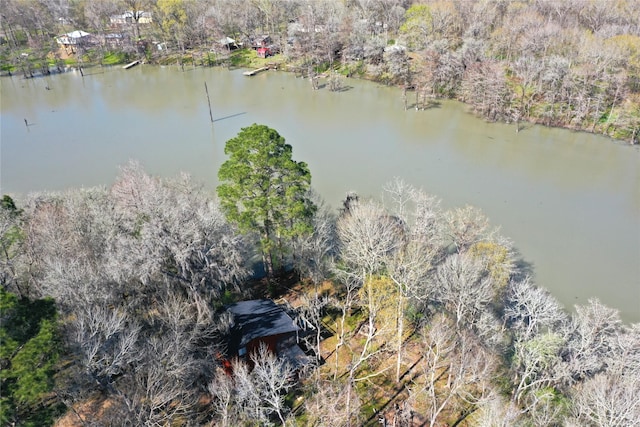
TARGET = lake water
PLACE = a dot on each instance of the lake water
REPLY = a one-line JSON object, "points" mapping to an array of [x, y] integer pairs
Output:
{"points": [[570, 201]]}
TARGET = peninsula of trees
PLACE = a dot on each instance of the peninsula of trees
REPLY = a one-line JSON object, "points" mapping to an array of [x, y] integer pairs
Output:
{"points": [[113, 309], [570, 63]]}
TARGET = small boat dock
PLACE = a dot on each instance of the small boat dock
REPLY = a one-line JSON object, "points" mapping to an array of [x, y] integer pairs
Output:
{"points": [[256, 71], [131, 64]]}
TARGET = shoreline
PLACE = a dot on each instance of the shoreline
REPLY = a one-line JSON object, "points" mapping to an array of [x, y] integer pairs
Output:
{"points": [[289, 68]]}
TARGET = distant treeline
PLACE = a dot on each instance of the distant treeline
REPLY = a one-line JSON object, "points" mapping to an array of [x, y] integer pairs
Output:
{"points": [[570, 63]]}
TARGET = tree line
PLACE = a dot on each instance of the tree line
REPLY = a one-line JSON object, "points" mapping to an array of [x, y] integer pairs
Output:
{"points": [[574, 63], [113, 309]]}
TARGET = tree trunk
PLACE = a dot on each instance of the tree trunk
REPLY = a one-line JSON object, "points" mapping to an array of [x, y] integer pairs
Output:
{"points": [[267, 261], [400, 315], [348, 403], [404, 97], [281, 259]]}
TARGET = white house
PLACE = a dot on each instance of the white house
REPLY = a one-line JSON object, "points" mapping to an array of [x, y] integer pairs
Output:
{"points": [[128, 17], [73, 38]]}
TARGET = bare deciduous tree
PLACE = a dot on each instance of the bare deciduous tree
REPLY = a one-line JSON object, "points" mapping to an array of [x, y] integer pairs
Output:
{"points": [[464, 288], [609, 399], [537, 368], [222, 391], [310, 316], [496, 411], [368, 235], [484, 86], [255, 393], [530, 310], [457, 371], [327, 405], [465, 226], [173, 231], [272, 377], [107, 342], [314, 251], [593, 339]]}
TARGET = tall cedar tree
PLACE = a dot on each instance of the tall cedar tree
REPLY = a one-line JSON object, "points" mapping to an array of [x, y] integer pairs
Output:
{"points": [[264, 190]]}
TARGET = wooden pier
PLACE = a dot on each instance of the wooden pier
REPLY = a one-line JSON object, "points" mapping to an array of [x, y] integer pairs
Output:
{"points": [[256, 71], [131, 64]]}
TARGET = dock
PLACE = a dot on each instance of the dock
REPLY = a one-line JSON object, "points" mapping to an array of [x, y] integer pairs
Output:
{"points": [[131, 64], [256, 71]]}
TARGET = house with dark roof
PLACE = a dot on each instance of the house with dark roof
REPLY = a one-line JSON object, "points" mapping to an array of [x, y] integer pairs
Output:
{"points": [[262, 322]]}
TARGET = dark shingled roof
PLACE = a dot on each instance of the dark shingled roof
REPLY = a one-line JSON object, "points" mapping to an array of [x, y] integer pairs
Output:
{"points": [[258, 318]]}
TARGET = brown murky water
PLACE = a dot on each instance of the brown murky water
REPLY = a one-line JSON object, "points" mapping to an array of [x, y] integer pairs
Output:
{"points": [[570, 201]]}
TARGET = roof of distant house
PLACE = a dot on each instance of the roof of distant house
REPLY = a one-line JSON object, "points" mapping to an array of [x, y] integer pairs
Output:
{"points": [[226, 40], [72, 38], [77, 34], [256, 319]]}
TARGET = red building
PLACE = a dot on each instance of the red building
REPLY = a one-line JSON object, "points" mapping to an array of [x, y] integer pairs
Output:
{"points": [[262, 322], [263, 52]]}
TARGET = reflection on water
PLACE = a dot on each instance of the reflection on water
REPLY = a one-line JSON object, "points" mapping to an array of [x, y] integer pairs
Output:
{"points": [[570, 201]]}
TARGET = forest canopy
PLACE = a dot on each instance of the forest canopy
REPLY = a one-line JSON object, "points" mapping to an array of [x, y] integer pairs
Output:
{"points": [[112, 299], [408, 312]]}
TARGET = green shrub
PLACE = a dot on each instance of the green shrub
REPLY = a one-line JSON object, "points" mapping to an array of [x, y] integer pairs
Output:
{"points": [[114, 58], [30, 347]]}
